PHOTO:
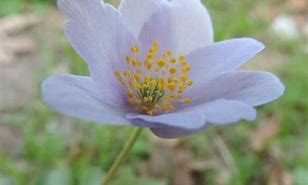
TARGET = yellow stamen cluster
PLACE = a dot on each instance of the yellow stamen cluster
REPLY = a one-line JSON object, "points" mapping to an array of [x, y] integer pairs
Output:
{"points": [[156, 83]]}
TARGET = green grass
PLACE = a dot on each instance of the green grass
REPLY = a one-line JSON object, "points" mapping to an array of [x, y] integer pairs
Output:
{"points": [[10, 7], [58, 150]]}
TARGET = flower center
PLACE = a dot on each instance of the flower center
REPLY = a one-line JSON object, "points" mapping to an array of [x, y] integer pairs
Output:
{"points": [[156, 83]]}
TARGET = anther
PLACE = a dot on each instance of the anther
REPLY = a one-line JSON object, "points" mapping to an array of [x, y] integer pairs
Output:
{"points": [[172, 70], [161, 63], [147, 79], [182, 58], [155, 43], [137, 76], [187, 100], [135, 63], [127, 73], [184, 78], [189, 83], [171, 86], [169, 53], [186, 69], [117, 73], [128, 60], [135, 49], [173, 60]]}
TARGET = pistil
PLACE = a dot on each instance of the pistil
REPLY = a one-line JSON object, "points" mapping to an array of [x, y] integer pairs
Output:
{"points": [[154, 84]]}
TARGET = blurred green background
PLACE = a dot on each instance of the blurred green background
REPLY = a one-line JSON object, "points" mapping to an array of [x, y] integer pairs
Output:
{"points": [[40, 147]]}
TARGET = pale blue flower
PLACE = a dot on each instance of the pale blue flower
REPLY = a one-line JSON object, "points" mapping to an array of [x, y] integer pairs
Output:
{"points": [[153, 63]]}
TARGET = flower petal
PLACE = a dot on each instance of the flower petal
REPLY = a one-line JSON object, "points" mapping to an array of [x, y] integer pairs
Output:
{"points": [[252, 87], [224, 111], [98, 33], [184, 119], [221, 57], [78, 96], [173, 132], [181, 25], [137, 12], [195, 118]]}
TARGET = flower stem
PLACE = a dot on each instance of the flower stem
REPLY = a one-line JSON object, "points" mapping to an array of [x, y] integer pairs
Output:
{"points": [[122, 156]]}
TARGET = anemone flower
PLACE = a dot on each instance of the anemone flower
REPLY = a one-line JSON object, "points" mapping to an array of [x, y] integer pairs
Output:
{"points": [[154, 64]]}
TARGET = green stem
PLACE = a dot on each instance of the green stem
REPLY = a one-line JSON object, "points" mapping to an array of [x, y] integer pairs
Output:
{"points": [[122, 156]]}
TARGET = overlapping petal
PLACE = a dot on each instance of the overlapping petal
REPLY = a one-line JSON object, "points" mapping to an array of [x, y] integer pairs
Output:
{"points": [[78, 96], [137, 12], [219, 111], [174, 132], [244, 89], [210, 61], [252, 87], [99, 34], [180, 25]]}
